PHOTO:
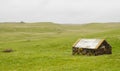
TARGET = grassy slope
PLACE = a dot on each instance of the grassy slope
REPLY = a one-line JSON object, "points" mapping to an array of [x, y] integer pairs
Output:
{"points": [[47, 47]]}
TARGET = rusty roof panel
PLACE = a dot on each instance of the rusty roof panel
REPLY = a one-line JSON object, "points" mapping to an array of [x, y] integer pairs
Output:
{"points": [[88, 43]]}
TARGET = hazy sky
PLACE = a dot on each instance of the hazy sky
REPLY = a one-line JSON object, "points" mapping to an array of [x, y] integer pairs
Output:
{"points": [[61, 11]]}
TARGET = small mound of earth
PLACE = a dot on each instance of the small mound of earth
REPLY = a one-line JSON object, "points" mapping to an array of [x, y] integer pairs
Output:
{"points": [[8, 50]]}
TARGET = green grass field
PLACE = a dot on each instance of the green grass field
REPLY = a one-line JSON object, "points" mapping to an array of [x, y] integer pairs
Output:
{"points": [[47, 47]]}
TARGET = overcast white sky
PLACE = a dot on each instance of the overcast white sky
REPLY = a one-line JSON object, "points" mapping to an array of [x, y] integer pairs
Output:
{"points": [[60, 11]]}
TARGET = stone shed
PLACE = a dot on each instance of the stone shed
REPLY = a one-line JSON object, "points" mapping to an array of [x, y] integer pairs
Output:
{"points": [[91, 47]]}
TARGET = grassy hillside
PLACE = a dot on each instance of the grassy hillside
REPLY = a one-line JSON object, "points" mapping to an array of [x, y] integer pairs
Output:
{"points": [[47, 47]]}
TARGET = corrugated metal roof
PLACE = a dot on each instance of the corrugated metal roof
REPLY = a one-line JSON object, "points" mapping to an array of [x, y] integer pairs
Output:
{"points": [[88, 43]]}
